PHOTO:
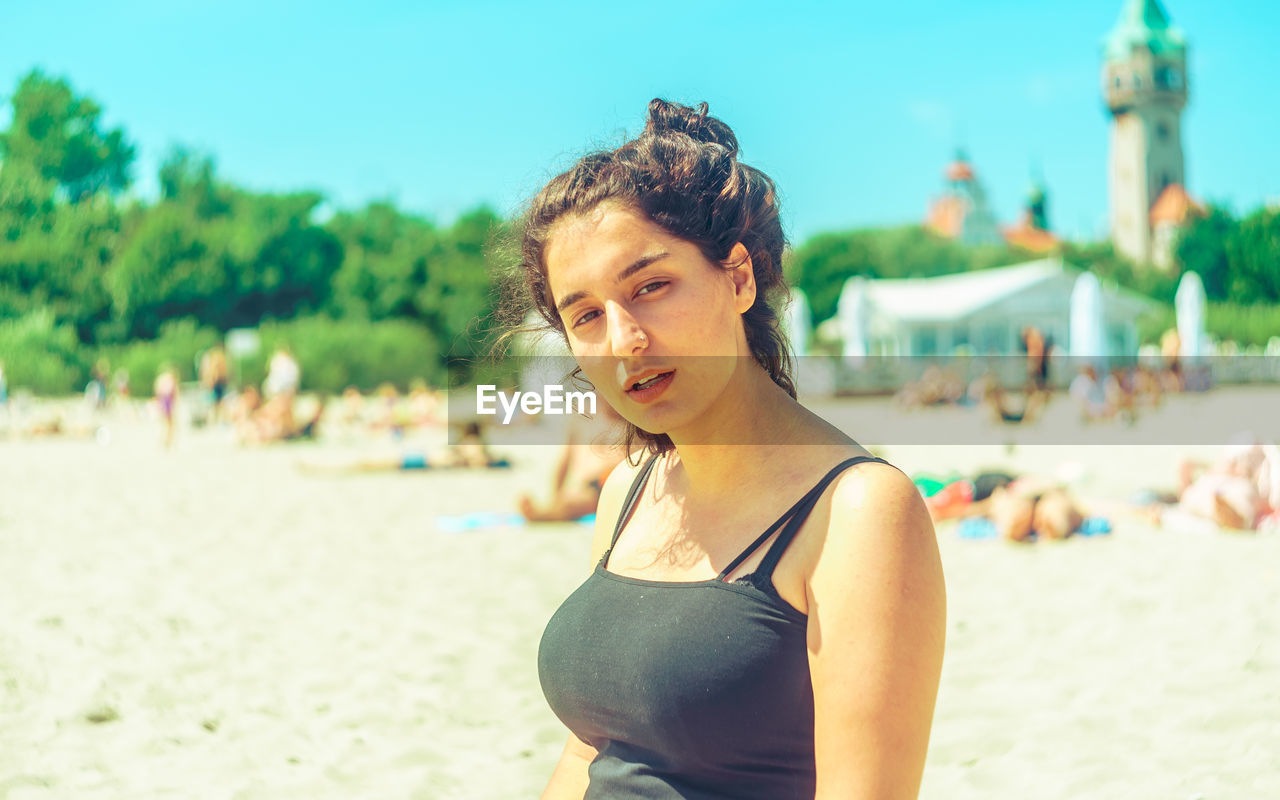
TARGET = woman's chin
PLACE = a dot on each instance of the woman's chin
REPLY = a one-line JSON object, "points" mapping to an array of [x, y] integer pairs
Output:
{"points": [[656, 420]]}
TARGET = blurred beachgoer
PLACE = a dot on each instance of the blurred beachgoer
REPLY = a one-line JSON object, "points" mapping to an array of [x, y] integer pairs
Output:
{"points": [[1121, 391], [46, 426], [936, 386], [1037, 347], [4, 388], [955, 497], [1171, 354], [273, 420], [213, 379], [1005, 411], [311, 428], [591, 451], [1092, 395], [120, 383], [1239, 491], [979, 387], [95, 392], [284, 377], [471, 449], [1146, 386], [349, 416], [1018, 506], [258, 422], [166, 397], [424, 405], [391, 414], [121, 399], [352, 405], [243, 412], [471, 452], [1028, 506], [56, 425]]}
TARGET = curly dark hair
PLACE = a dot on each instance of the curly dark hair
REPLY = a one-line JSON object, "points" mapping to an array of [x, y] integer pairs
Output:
{"points": [[682, 172]]}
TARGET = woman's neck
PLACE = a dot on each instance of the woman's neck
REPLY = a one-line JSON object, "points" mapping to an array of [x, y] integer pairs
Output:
{"points": [[739, 435]]}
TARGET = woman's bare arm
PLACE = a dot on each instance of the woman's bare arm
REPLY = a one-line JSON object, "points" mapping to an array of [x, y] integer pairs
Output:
{"points": [[569, 779], [877, 625]]}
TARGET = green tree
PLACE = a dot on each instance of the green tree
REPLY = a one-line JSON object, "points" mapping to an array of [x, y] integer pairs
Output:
{"points": [[1101, 259], [260, 258], [59, 135], [398, 266], [384, 264], [52, 255], [1202, 248], [188, 178], [175, 265], [457, 300], [822, 264], [1253, 254]]}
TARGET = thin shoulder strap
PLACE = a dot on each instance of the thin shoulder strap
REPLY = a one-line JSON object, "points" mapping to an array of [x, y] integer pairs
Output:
{"points": [[792, 521], [633, 497], [762, 538]]}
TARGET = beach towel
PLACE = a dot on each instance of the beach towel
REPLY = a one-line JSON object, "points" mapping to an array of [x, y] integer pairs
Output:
{"points": [[983, 528]]}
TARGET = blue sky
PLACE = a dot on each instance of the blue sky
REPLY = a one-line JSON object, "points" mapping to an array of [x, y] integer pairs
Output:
{"points": [[854, 108]]}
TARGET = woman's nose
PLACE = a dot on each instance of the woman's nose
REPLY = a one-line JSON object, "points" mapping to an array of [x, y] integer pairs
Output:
{"points": [[626, 338]]}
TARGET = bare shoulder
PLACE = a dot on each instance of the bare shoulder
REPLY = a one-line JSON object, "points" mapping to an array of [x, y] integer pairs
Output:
{"points": [[612, 495], [875, 492], [876, 517]]}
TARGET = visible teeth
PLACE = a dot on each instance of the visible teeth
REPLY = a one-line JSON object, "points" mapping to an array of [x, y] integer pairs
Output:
{"points": [[647, 381]]}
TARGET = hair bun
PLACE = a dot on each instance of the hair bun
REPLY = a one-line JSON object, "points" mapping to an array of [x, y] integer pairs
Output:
{"points": [[667, 117]]}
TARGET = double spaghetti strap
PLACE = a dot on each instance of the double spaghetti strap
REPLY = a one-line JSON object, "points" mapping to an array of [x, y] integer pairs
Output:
{"points": [[762, 538], [633, 497], [790, 522]]}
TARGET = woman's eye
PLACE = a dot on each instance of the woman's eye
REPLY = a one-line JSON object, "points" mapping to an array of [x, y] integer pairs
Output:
{"points": [[650, 287], [585, 318]]}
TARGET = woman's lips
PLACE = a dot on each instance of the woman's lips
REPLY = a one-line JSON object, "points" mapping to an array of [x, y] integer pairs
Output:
{"points": [[652, 389]]}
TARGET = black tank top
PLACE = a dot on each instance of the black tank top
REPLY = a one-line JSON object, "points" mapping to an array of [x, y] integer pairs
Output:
{"points": [[697, 690]]}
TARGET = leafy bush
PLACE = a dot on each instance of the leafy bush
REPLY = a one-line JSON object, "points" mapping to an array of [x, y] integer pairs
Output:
{"points": [[1245, 325], [181, 343], [40, 355], [335, 354]]}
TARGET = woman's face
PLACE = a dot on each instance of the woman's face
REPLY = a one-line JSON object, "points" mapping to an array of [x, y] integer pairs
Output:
{"points": [[655, 326]]}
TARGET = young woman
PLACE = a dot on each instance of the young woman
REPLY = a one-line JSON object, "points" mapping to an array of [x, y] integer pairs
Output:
{"points": [[710, 653]]}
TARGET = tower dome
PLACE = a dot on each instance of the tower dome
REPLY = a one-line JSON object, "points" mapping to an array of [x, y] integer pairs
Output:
{"points": [[1143, 24]]}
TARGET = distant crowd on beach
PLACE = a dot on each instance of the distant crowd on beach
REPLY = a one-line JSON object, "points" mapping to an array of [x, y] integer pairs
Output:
{"points": [[1239, 491], [256, 414], [409, 432], [1099, 392]]}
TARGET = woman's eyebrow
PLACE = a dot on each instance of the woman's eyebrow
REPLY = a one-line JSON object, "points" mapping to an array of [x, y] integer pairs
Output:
{"points": [[635, 266], [639, 264]]}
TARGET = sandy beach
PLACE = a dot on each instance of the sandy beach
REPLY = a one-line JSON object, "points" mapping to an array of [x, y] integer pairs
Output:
{"points": [[213, 622]]}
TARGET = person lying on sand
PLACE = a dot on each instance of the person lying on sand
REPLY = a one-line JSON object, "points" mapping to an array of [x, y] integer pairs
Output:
{"points": [[471, 452], [1017, 506], [57, 426], [588, 455], [1002, 410], [1239, 491], [936, 386], [265, 423]]}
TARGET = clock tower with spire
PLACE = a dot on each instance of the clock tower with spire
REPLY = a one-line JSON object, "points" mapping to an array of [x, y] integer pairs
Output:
{"points": [[1144, 82]]}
